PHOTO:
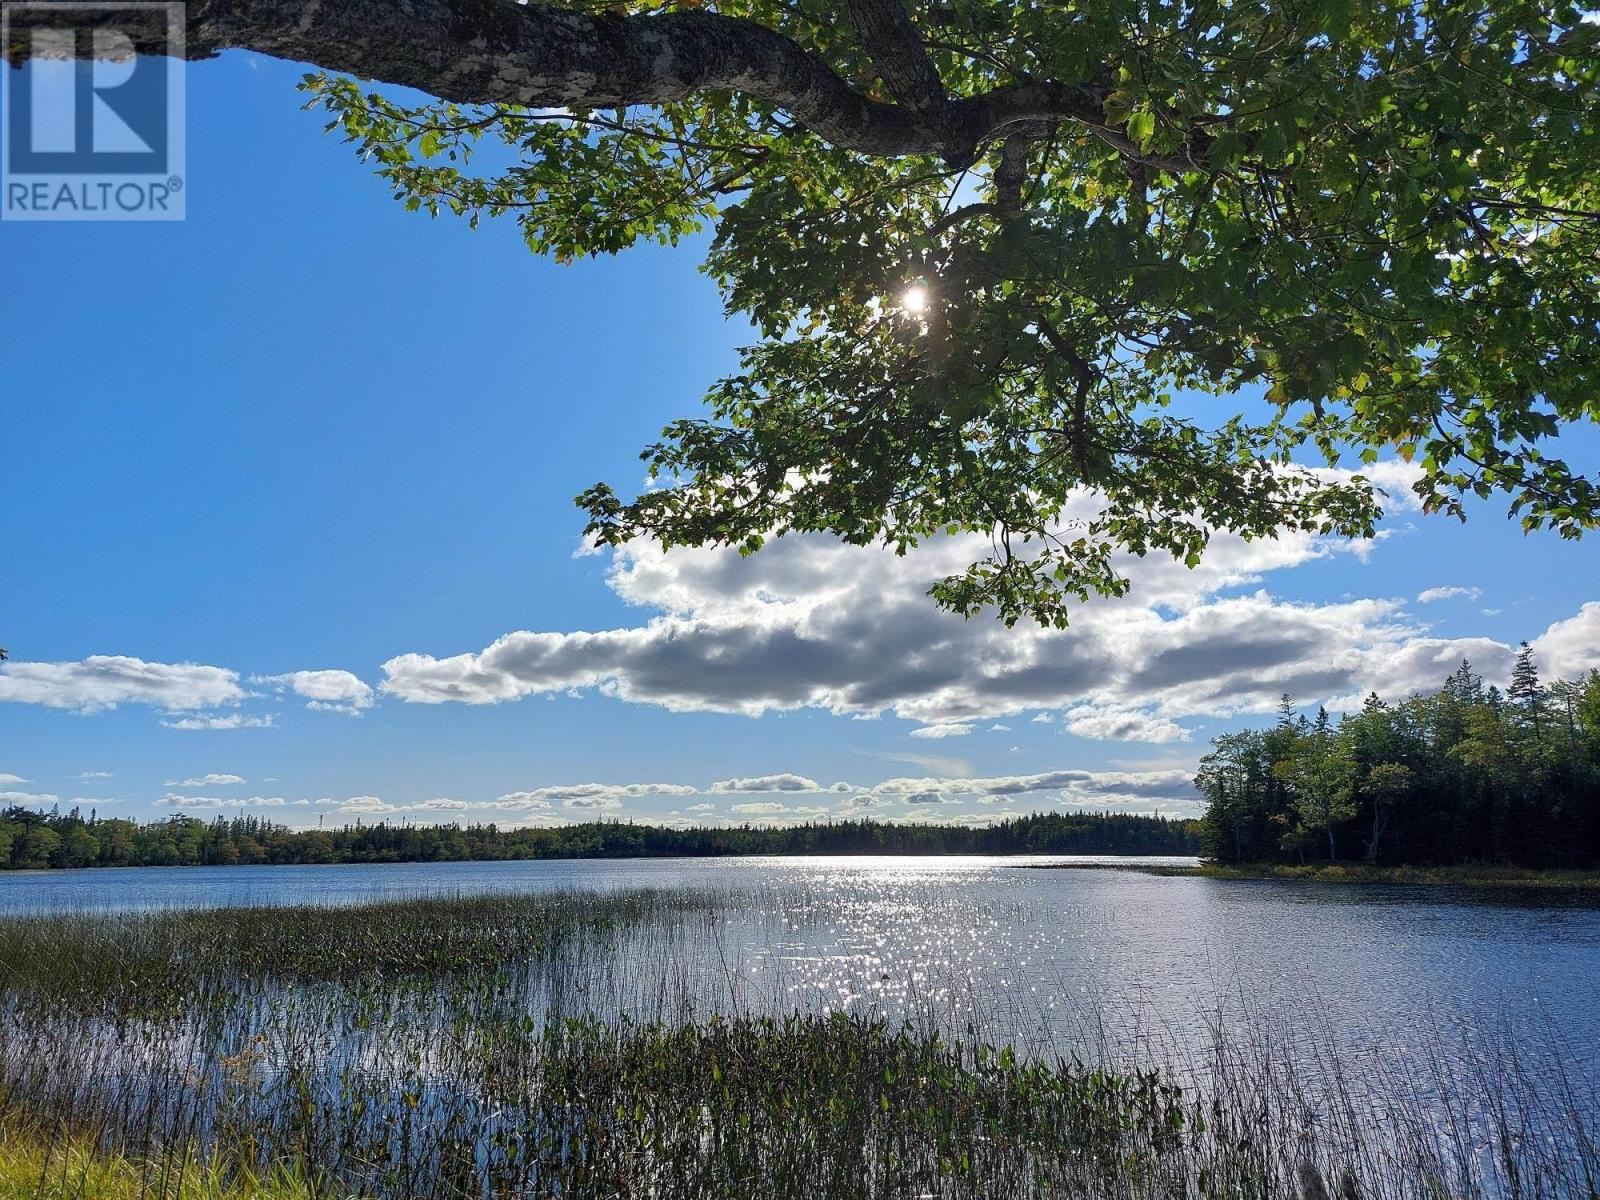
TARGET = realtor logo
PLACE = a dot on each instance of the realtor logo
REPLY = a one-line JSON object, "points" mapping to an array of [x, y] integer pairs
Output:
{"points": [[93, 122]]}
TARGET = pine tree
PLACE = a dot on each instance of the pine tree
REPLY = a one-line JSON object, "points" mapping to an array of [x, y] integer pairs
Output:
{"points": [[1464, 686], [1525, 692]]}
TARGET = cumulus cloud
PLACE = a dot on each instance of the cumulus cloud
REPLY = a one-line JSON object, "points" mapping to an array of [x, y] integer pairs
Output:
{"points": [[812, 623], [861, 800], [521, 801], [28, 799], [760, 808], [1571, 648], [103, 681], [783, 782], [361, 805], [1395, 479], [212, 780], [6, 779], [1116, 722], [175, 800], [94, 774], [1435, 594], [184, 800], [943, 729], [327, 691], [231, 721], [588, 795], [701, 808], [1076, 787], [595, 803]]}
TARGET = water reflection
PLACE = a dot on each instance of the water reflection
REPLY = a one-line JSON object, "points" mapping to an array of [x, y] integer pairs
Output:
{"points": [[1057, 961]]}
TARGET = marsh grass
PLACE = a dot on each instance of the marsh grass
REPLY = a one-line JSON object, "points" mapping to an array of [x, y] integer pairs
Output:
{"points": [[36, 1164], [563, 1045]]}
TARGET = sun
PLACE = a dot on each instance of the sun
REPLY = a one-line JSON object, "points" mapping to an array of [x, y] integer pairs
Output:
{"points": [[915, 299]]}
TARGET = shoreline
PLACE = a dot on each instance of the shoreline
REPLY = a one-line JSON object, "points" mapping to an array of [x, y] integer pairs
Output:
{"points": [[795, 855], [1355, 873]]}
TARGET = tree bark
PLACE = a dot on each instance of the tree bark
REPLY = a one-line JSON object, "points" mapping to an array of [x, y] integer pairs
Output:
{"points": [[540, 56]]}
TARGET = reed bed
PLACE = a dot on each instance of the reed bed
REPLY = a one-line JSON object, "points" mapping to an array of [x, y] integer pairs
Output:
{"points": [[576, 1045]]}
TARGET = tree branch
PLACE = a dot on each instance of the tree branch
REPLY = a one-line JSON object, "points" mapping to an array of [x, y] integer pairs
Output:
{"points": [[889, 37], [1011, 173], [540, 56]]}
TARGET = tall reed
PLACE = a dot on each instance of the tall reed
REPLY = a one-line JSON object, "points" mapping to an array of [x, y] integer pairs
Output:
{"points": [[576, 1045]]}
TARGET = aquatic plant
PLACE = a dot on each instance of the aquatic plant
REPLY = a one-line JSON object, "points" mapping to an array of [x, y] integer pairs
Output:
{"points": [[579, 1045]]}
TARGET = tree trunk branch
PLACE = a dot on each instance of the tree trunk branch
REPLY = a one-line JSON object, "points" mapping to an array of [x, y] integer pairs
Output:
{"points": [[539, 56], [888, 35]]}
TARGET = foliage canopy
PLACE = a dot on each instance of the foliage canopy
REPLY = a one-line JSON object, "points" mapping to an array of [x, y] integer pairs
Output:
{"points": [[1383, 216]]}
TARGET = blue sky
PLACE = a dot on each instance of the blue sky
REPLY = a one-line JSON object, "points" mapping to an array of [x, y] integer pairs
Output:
{"points": [[305, 431]]}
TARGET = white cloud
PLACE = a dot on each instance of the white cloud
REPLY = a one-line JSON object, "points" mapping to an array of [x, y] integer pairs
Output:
{"points": [[701, 808], [28, 799], [174, 800], [232, 721], [862, 800], [783, 782], [441, 804], [1434, 594], [1570, 649], [183, 800], [104, 681], [944, 729], [1075, 787], [94, 774], [521, 801], [5, 779], [588, 795], [354, 804], [366, 804], [212, 780], [812, 623], [592, 803], [760, 808], [1119, 722], [327, 691], [1395, 479]]}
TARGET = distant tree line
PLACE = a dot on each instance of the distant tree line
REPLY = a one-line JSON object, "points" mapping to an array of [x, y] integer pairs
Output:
{"points": [[1469, 774], [33, 839]]}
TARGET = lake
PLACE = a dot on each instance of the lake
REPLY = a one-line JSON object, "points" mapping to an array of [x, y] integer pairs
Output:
{"points": [[1054, 960]]}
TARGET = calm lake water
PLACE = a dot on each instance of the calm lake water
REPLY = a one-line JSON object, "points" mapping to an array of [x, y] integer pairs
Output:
{"points": [[1055, 960]]}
